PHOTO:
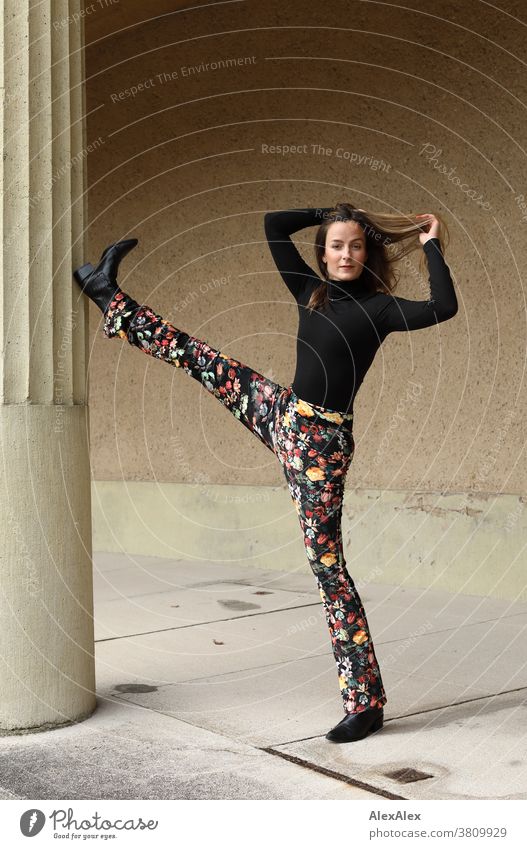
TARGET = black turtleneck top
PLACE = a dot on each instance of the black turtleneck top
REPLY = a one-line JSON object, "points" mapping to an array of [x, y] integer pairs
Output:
{"points": [[337, 344]]}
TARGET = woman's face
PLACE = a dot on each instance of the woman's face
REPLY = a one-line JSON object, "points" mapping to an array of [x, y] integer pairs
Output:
{"points": [[345, 250]]}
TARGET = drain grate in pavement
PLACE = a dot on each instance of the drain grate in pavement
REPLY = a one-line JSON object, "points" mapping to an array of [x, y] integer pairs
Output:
{"points": [[407, 774]]}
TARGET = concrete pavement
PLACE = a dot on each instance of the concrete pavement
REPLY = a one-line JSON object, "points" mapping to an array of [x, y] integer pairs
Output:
{"points": [[218, 681]]}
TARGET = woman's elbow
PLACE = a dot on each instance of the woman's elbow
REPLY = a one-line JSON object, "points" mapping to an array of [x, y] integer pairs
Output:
{"points": [[447, 311], [269, 224]]}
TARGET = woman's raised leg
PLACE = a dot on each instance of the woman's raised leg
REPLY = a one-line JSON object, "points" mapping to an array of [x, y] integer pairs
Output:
{"points": [[251, 397]]}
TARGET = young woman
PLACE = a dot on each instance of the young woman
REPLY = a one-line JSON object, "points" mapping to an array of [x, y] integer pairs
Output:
{"points": [[344, 316]]}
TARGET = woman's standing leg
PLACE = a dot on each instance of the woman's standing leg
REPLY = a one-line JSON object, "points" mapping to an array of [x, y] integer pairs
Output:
{"points": [[315, 471], [251, 397]]}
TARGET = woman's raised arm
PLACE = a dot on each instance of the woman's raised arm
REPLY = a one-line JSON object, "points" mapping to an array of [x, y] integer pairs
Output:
{"points": [[403, 314], [295, 272]]}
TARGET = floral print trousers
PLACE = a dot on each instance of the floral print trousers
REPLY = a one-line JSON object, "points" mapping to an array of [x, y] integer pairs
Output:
{"points": [[314, 446]]}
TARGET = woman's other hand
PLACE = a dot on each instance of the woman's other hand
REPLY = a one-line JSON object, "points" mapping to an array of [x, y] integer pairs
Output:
{"points": [[430, 225]]}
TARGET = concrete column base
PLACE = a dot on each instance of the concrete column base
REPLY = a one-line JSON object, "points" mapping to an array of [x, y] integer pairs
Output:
{"points": [[47, 674]]}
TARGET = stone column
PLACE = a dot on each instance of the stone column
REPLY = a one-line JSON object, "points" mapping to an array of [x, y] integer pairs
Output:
{"points": [[46, 598]]}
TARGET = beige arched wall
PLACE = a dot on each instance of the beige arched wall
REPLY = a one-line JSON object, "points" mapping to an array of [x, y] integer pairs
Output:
{"points": [[432, 100]]}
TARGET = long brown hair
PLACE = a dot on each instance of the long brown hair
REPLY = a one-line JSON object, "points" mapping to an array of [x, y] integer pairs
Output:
{"points": [[383, 231]]}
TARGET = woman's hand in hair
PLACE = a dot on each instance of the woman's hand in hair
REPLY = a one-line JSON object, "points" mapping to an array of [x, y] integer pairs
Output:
{"points": [[430, 226]]}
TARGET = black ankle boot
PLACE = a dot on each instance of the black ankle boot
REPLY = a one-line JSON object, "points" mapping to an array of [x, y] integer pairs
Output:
{"points": [[356, 726], [100, 283]]}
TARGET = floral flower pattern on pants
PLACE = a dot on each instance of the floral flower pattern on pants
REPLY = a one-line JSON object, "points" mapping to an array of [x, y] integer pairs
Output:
{"points": [[314, 446]]}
